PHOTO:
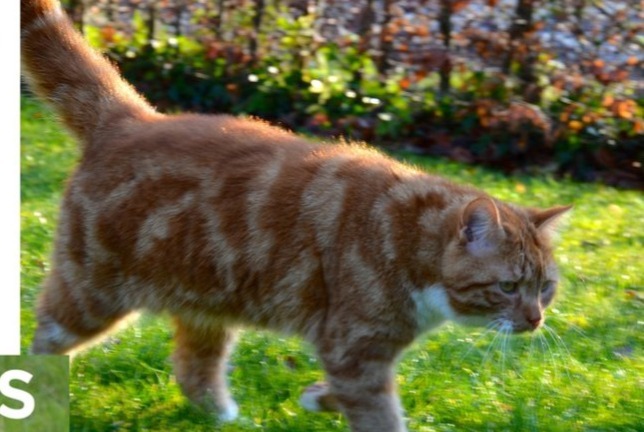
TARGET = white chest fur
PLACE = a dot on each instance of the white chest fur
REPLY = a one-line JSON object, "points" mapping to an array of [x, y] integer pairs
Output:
{"points": [[432, 307]]}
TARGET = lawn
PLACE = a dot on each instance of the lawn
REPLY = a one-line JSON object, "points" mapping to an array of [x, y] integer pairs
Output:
{"points": [[584, 372]]}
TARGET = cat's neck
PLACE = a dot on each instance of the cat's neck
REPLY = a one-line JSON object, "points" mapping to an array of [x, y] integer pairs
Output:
{"points": [[437, 227], [432, 307]]}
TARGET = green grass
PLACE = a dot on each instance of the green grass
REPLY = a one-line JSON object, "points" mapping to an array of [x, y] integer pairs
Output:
{"points": [[588, 378]]}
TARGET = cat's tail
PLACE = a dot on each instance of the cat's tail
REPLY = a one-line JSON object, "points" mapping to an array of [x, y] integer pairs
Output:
{"points": [[84, 87]]}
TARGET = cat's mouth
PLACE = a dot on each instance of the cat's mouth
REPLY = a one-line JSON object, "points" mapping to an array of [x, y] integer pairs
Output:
{"points": [[527, 327], [499, 324], [504, 325]]}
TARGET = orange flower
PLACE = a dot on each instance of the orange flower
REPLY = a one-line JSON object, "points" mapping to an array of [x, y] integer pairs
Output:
{"points": [[598, 63], [575, 125], [107, 33], [625, 108]]}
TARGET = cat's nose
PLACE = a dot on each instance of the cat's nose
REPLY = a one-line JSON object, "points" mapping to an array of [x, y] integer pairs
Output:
{"points": [[534, 321]]}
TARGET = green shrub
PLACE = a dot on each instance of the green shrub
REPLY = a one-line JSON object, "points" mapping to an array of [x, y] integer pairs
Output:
{"points": [[587, 125]]}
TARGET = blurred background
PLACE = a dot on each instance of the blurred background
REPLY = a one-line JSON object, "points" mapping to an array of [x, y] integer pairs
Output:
{"points": [[520, 85]]}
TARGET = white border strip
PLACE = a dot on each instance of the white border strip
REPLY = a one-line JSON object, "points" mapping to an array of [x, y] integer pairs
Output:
{"points": [[10, 180]]}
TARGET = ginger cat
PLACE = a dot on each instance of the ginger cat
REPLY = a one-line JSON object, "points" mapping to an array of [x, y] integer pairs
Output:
{"points": [[222, 221]]}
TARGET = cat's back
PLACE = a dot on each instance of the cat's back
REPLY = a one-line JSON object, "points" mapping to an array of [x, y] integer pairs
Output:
{"points": [[219, 153], [183, 143]]}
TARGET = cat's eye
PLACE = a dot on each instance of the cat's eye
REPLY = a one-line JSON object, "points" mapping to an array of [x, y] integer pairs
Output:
{"points": [[508, 287], [547, 286]]}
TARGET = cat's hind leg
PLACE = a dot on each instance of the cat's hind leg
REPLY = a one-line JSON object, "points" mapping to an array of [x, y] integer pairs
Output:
{"points": [[200, 362], [319, 398], [71, 315]]}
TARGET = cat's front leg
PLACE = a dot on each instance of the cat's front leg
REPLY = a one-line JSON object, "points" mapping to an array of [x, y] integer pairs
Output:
{"points": [[200, 361], [362, 381]]}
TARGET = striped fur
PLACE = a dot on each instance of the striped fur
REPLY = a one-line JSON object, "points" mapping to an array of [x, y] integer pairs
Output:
{"points": [[223, 222]]}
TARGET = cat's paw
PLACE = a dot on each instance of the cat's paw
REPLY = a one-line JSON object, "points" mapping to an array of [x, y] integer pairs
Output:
{"points": [[318, 397], [229, 412]]}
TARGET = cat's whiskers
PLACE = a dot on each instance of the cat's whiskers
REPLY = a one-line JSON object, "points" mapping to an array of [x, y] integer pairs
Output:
{"points": [[547, 348], [579, 331], [489, 328], [506, 330], [531, 349], [499, 323], [557, 339], [569, 325], [561, 345]]}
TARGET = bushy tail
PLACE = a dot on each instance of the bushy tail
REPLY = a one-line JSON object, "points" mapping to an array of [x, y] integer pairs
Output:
{"points": [[84, 87]]}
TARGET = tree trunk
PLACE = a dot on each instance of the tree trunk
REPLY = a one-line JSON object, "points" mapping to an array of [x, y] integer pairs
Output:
{"points": [[364, 28], [522, 24], [151, 23], [218, 20], [178, 14], [109, 11], [445, 25], [386, 39], [76, 10], [257, 24]]}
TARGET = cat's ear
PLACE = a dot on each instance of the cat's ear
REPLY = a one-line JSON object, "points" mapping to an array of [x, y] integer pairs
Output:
{"points": [[547, 220], [480, 227]]}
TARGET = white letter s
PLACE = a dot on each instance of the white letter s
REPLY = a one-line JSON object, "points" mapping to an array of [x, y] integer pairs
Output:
{"points": [[28, 402]]}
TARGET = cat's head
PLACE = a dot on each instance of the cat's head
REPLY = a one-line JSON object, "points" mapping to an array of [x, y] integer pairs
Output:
{"points": [[498, 268]]}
